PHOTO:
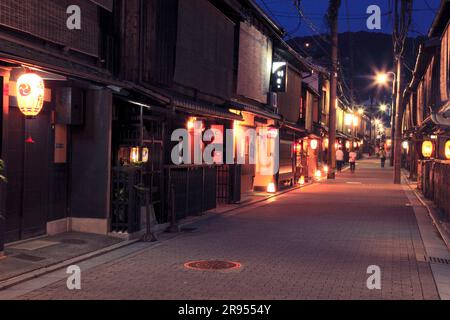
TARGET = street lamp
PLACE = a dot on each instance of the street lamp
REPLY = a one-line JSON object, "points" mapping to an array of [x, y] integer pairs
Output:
{"points": [[382, 78], [383, 108]]}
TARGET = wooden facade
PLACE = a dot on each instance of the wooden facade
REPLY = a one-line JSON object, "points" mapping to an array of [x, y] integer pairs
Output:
{"points": [[426, 112], [136, 71]]}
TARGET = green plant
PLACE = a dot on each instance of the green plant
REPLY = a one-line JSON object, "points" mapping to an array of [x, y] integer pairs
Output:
{"points": [[2, 171]]}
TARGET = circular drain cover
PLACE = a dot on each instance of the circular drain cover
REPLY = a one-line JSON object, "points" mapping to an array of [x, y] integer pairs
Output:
{"points": [[212, 265], [73, 241]]}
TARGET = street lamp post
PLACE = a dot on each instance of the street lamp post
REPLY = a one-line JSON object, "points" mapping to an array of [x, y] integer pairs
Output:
{"points": [[383, 79]]}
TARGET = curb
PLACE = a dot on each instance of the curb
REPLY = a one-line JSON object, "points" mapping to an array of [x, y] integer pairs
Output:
{"points": [[8, 283], [432, 213], [5, 284]]}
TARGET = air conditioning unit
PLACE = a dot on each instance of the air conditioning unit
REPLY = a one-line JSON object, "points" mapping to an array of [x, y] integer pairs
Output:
{"points": [[273, 100]]}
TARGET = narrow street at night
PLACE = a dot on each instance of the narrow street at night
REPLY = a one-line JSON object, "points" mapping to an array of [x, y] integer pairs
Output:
{"points": [[224, 158], [312, 243]]}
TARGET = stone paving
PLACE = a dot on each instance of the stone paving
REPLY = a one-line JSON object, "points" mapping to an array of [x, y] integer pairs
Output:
{"points": [[313, 243]]}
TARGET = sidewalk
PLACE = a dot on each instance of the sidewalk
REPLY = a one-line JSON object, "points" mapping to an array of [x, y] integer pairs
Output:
{"points": [[31, 255], [311, 243]]}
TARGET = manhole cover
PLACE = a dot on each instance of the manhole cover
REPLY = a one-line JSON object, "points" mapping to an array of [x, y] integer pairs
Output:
{"points": [[28, 257], [212, 265], [73, 241]]}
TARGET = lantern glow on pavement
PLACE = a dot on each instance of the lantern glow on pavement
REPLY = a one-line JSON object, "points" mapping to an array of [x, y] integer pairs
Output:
{"points": [[271, 188]]}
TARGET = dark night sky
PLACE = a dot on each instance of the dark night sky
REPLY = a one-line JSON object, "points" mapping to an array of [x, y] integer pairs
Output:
{"points": [[352, 15]]}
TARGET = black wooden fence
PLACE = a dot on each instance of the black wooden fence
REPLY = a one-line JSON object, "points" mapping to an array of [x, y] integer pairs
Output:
{"points": [[434, 182], [125, 202]]}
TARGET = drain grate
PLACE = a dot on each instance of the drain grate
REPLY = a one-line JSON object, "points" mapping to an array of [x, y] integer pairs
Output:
{"points": [[28, 257], [439, 260], [213, 265], [73, 241]]}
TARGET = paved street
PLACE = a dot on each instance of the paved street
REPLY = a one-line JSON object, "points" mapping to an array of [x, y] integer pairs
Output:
{"points": [[313, 243]]}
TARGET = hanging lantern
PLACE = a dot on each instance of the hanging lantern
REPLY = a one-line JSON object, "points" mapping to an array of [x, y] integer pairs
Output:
{"points": [[314, 144], [326, 169], [30, 94], [427, 149], [326, 143], [347, 144], [355, 145], [447, 150], [405, 145]]}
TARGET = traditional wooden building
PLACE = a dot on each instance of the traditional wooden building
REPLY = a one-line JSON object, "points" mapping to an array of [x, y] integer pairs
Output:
{"points": [[426, 120], [57, 162]]}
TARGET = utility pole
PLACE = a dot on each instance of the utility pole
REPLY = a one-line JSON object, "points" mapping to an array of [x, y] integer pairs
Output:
{"points": [[332, 17], [402, 23]]}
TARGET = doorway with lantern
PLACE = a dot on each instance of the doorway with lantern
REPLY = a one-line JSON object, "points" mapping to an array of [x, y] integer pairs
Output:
{"points": [[137, 166], [28, 145]]}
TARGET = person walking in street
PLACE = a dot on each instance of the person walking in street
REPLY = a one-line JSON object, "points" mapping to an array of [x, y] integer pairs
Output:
{"points": [[352, 160], [383, 156], [339, 159]]}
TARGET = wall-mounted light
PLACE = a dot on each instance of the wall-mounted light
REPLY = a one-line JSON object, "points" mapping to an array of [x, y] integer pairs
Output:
{"points": [[314, 144], [427, 149], [447, 150], [30, 94]]}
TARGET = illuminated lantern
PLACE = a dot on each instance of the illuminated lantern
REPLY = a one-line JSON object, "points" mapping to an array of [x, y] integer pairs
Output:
{"points": [[272, 133], [271, 188], [427, 149], [347, 144], [134, 155], [326, 169], [145, 154], [314, 144], [326, 143], [355, 144], [191, 123], [30, 94], [405, 145], [301, 181], [447, 150]]}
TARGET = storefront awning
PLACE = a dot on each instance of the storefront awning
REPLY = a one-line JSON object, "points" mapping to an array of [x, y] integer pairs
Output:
{"points": [[254, 109], [294, 127], [342, 135], [204, 109]]}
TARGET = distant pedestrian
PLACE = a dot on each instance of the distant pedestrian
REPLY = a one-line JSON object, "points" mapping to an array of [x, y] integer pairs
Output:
{"points": [[352, 160], [339, 159], [383, 157]]}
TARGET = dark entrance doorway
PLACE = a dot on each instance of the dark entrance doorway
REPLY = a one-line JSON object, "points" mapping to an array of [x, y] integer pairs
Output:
{"points": [[28, 172]]}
